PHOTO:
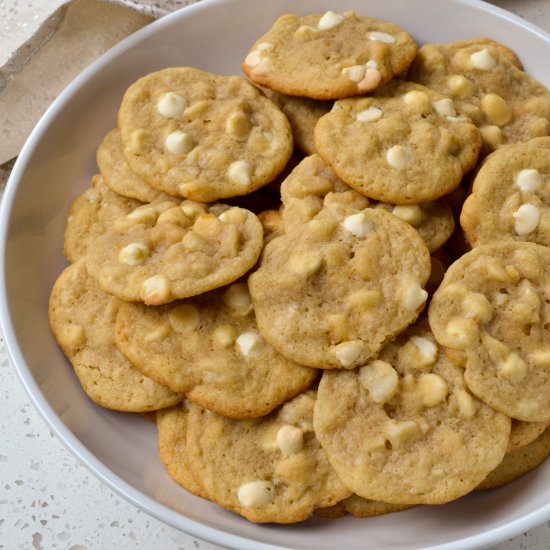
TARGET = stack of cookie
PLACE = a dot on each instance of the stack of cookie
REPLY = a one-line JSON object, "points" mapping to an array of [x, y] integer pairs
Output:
{"points": [[282, 334]]}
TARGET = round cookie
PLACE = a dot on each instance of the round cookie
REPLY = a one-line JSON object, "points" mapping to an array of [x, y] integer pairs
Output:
{"points": [[404, 144], [90, 215], [82, 319], [524, 433], [519, 462], [270, 469], [328, 56], [202, 136], [360, 508], [494, 306], [209, 347], [312, 182], [117, 173], [161, 251], [403, 429], [172, 432], [303, 114], [510, 197], [272, 222], [332, 294], [487, 84]]}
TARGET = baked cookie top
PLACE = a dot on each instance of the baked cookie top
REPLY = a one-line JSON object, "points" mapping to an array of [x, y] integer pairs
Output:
{"points": [[202, 136], [303, 114], [172, 432], [494, 306], [405, 144], [332, 294], [486, 83], [328, 56], [163, 251], [209, 347], [404, 429], [269, 469], [82, 319], [91, 214], [510, 197], [117, 174]]}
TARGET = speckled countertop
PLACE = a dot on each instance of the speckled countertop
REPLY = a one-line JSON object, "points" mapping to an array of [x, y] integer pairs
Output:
{"points": [[48, 500]]}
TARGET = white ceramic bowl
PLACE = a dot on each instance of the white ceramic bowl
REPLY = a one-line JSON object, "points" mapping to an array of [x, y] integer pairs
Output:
{"points": [[56, 165]]}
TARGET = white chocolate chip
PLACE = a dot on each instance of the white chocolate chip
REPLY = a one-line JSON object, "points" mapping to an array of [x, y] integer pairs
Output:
{"points": [[237, 298], [184, 318], [467, 405], [155, 290], [413, 297], [371, 114], [460, 85], [371, 64], [264, 46], [418, 100], [253, 58], [398, 433], [144, 214], [160, 332], [134, 254], [329, 20], [137, 141], [428, 350], [234, 215], [445, 107], [381, 37], [263, 67], [347, 353], [290, 439], [305, 263], [224, 336], [398, 157], [483, 60], [305, 32], [541, 358], [492, 136], [175, 215], [255, 494], [477, 306], [410, 213], [238, 125], [496, 110], [433, 389], [358, 225], [250, 344], [365, 299], [380, 380], [528, 180], [171, 105], [192, 209], [513, 368], [371, 80], [356, 73], [527, 219], [240, 172], [461, 333], [179, 143]]}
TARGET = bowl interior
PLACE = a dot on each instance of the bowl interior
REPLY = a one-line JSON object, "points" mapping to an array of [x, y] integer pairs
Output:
{"points": [[57, 164]]}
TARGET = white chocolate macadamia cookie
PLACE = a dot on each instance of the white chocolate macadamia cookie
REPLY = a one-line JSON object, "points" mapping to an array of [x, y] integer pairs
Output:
{"points": [[270, 469], [404, 144], [510, 197], [328, 56], [163, 251], [202, 136], [494, 306], [332, 294], [404, 428]]}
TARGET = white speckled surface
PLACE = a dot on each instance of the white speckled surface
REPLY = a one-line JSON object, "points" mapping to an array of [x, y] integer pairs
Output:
{"points": [[47, 499]]}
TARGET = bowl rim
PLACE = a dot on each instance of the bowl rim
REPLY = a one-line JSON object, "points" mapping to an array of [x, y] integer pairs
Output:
{"points": [[143, 502]]}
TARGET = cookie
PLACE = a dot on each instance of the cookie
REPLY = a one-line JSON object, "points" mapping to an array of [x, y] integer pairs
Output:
{"points": [[494, 306], [202, 136], [486, 84], [404, 144], [161, 251], [519, 462], [272, 222], [404, 429], [117, 173], [209, 347], [328, 56], [510, 197], [524, 433], [270, 469], [82, 319], [90, 215], [303, 114], [172, 431], [333, 293], [360, 508]]}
